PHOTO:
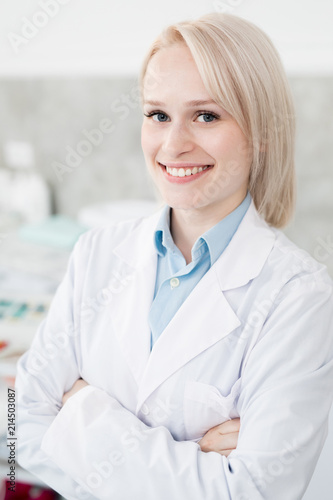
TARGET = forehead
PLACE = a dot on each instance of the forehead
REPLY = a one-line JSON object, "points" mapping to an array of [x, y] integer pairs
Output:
{"points": [[172, 70]]}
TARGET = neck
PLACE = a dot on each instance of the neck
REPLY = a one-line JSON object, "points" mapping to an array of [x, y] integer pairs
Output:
{"points": [[187, 225]]}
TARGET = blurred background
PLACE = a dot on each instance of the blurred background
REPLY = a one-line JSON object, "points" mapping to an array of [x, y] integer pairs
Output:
{"points": [[70, 155]]}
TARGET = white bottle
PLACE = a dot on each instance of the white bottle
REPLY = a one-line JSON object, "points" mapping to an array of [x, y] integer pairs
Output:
{"points": [[24, 195]]}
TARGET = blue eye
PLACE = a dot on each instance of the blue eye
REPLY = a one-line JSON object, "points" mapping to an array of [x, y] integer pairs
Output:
{"points": [[160, 117], [207, 117], [157, 116]]}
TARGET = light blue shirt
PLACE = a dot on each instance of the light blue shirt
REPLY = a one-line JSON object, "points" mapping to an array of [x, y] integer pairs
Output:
{"points": [[174, 278]]}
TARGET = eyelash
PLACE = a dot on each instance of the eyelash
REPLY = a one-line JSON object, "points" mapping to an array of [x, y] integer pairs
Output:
{"points": [[154, 113], [210, 113], [200, 113]]}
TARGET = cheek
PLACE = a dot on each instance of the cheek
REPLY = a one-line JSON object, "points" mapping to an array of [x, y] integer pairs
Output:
{"points": [[245, 150], [234, 147], [148, 143], [144, 138]]}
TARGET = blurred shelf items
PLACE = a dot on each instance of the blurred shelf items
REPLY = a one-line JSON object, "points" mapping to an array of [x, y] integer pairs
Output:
{"points": [[24, 195], [34, 250]]}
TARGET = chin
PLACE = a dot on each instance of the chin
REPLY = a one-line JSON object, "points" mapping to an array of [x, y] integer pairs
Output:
{"points": [[181, 205]]}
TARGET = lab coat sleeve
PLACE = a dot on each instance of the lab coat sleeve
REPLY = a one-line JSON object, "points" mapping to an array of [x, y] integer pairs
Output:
{"points": [[286, 394], [44, 373]]}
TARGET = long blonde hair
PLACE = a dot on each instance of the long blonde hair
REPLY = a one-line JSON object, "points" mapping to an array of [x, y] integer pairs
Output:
{"points": [[243, 73]]}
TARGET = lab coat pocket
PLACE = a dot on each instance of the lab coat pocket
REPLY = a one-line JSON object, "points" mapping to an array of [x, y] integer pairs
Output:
{"points": [[205, 407]]}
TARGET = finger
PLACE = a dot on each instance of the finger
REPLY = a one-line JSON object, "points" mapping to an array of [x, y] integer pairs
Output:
{"points": [[79, 384], [225, 453], [65, 397], [228, 441], [213, 441]]}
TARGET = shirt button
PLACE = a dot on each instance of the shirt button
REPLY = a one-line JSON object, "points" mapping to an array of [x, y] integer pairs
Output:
{"points": [[174, 282], [144, 409]]}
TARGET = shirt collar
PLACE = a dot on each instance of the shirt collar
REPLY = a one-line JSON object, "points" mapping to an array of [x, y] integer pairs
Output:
{"points": [[215, 240], [218, 237]]}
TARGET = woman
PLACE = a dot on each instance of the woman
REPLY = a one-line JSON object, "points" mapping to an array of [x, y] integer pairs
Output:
{"points": [[196, 316]]}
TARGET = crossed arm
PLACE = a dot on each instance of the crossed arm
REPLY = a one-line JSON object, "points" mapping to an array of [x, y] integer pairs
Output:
{"points": [[221, 438], [287, 379]]}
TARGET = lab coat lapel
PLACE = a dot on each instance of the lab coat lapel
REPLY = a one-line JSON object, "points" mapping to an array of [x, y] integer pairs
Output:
{"points": [[203, 319], [247, 252], [206, 317], [137, 262]]}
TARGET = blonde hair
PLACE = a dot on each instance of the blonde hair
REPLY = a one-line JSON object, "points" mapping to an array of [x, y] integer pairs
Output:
{"points": [[243, 73]]}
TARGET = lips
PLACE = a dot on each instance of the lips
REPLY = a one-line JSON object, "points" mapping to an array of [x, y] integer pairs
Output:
{"points": [[184, 169], [183, 173]]}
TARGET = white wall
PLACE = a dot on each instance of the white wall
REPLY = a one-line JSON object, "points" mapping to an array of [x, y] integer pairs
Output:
{"points": [[110, 37]]}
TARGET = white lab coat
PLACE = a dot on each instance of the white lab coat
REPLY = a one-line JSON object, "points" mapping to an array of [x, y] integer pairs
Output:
{"points": [[253, 339]]}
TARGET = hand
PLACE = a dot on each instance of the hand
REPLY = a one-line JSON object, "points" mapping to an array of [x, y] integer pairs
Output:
{"points": [[79, 384], [222, 438]]}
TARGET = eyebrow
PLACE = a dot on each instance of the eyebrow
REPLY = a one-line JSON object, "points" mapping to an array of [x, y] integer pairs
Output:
{"points": [[189, 104]]}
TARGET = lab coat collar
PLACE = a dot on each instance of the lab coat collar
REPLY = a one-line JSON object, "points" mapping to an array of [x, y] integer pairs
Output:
{"points": [[183, 338], [138, 245], [247, 250]]}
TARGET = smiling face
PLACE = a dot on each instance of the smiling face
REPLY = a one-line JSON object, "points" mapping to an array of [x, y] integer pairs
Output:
{"points": [[195, 151]]}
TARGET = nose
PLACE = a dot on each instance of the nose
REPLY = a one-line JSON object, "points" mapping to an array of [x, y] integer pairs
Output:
{"points": [[177, 141]]}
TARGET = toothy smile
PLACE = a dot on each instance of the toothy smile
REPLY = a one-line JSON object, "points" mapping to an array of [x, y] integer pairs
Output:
{"points": [[185, 171]]}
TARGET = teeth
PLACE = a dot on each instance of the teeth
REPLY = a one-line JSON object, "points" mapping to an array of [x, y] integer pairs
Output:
{"points": [[182, 172]]}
